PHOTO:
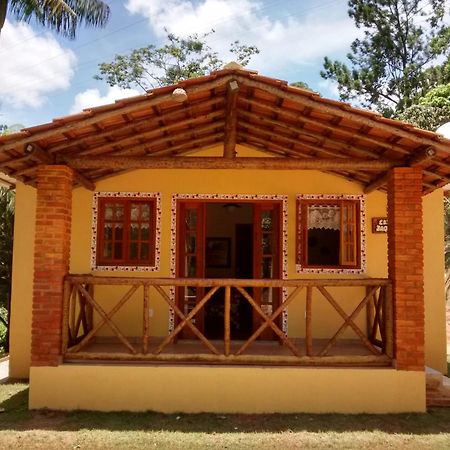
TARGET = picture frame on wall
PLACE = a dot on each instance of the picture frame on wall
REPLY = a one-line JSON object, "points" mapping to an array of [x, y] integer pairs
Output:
{"points": [[218, 252]]}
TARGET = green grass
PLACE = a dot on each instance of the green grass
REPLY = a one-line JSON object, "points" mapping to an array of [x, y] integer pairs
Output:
{"points": [[25, 429]]}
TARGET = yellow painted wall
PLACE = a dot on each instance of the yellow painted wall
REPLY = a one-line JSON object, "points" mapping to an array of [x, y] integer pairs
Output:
{"points": [[169, 182], [325, 319], [435, 331], [215, 389], [22, 281]]}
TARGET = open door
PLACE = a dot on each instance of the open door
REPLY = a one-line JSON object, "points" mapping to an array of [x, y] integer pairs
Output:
{"points": [[266, 259], [191, 259]]}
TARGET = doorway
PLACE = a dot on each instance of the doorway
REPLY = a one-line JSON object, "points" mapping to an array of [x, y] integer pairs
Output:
{"points": [[218, 239]]}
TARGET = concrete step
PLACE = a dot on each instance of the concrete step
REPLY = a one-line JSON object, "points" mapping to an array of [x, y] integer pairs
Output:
{"points": [[438, 389]]}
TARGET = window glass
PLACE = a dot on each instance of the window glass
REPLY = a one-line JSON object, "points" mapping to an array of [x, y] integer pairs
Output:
{"points": [[126, 232], [328, 233]]}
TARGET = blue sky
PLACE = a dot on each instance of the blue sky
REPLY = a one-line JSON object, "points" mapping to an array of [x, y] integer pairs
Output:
{"points": [[43, 76]]}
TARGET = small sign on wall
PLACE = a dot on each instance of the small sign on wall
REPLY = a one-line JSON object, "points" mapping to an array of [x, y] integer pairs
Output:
{"points": [[379, 225]]}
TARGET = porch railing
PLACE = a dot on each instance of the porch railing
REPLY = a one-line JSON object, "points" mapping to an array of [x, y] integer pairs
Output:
{"points": [[80, 329]]}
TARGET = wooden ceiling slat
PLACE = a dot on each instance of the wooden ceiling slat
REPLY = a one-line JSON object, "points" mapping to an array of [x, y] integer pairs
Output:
{"points": [[302, 131], [376, 121], [272, 117], [148, 101], [330, 126]]}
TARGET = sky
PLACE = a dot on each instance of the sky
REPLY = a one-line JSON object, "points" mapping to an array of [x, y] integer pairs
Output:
{"points": [[44, 76]]}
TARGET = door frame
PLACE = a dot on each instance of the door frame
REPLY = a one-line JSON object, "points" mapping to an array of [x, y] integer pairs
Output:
{"points": [[238, 198]]}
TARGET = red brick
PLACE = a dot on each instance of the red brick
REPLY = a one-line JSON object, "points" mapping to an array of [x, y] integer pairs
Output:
{"points": [[405, 255], [51, 259]]}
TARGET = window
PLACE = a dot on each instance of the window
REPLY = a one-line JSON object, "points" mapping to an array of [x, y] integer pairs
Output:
{"points": [[126, 231], [329, 232]]}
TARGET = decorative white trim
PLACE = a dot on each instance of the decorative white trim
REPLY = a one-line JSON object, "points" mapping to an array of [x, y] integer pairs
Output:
{"points": [[115, 194], [360, 198], [245, 197]]}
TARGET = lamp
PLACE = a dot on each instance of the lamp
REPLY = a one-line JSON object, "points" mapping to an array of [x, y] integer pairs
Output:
{"points": [[231, 207]]}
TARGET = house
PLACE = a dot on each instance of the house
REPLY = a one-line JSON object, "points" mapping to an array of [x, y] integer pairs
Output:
{"points": [[228, 244]]}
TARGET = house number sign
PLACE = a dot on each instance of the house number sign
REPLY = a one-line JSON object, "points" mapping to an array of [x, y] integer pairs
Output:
{"points": [[379, 225]]}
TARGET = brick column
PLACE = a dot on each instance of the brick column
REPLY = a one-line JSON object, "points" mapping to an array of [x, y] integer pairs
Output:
{"points": [[51, 262], [405, 259]]}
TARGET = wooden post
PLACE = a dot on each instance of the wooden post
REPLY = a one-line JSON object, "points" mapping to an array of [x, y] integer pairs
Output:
{"points": [[308, 317], [146, 319], [227, 316], [65, 325], [370, 317], [388, 314]]}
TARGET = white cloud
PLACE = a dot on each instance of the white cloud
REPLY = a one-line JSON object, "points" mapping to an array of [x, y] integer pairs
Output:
{"points": [[92, 97], [31, 66], [329, 87], [298, 37]]}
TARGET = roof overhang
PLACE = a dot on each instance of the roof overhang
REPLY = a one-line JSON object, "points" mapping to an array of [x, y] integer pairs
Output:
{"points": [[297, 128]]}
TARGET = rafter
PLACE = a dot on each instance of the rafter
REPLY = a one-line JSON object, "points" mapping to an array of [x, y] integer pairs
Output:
{"points": [[148, 100]]}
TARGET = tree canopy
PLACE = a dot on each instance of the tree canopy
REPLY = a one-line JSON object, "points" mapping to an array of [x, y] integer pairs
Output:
{"points": [[432, 110], [63, 16], [399, 57], [178, 59]]}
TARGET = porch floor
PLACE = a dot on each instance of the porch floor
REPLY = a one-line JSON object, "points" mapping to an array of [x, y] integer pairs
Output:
{"points": [[343, 352]]}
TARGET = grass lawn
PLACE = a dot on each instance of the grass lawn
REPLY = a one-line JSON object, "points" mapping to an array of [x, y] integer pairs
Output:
{"points": [[20, 428]]}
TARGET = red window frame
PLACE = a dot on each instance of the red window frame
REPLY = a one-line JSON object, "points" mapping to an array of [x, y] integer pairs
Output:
{"points": [[350, 242], [124, 244]]}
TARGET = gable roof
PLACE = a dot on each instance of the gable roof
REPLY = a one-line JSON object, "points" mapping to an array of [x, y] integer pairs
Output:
{"points": [[271, 117]]}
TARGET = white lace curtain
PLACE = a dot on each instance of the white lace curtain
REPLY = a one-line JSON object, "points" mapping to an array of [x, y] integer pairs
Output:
{"points": [[327, 217]]}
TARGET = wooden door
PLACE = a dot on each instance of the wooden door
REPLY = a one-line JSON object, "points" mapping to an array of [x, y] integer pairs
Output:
{"points": [[266, 259], [191, 259]]}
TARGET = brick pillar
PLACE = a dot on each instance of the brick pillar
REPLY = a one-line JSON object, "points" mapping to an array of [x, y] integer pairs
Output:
{"points": [[405, 259], [51, 262]]}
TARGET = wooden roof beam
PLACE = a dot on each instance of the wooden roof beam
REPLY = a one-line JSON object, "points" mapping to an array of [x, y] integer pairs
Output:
{"points": [[421, 156], [93, 117], [41, 156], [139, 162], [149, 121], [373, 121], [229, 145]]}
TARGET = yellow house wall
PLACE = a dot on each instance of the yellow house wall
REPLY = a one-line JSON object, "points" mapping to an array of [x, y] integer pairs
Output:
{"points": [[169, 182], [325, 319], [215, 389], [435, 330], [22, 281]]}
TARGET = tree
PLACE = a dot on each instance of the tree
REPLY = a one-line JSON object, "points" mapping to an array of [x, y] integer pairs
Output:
{"points": [[300, 84], [398, 59], [63, 16], [177, 60], [432, 110], [7, 201]]}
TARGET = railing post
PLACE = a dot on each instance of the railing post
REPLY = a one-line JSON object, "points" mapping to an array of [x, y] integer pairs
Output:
{"points": [[227, 317], [370, 317], [388, 310], [308, 318], [146, 320], [65, 319]]}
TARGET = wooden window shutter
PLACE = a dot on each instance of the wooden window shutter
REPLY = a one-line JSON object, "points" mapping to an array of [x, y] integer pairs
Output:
{"points": [[349, 229]]}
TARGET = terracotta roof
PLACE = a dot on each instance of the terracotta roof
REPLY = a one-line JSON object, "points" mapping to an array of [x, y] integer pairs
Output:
{"points": [[271, 116]]}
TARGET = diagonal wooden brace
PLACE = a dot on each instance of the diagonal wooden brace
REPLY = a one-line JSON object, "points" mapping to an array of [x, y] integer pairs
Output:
{"points": [[186, 320], [106, 319], [348, 320], [268, 321]]}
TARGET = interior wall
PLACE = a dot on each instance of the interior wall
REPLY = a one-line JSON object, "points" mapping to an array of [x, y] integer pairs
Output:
{"points": [[221, 222]]}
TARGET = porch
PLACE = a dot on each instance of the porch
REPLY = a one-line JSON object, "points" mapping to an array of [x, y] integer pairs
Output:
{"points": [[364, 306]]}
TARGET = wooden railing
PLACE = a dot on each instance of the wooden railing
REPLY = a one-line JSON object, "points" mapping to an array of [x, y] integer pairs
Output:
{"points": [[80, 329]]}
